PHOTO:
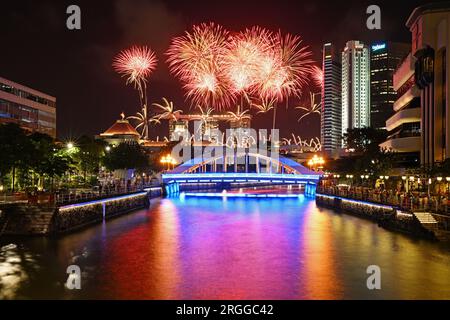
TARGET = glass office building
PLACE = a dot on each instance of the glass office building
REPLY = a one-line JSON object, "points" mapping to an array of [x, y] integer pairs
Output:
{"points": [[384, 59], [32, 110], [330, 126]]}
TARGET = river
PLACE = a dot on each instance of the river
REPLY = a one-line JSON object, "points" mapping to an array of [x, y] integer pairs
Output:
{"points": [[201, 248]]}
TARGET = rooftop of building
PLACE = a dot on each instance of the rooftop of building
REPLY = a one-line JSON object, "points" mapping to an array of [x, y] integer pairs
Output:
{"points": [[120, 128], [27, 89], [434, 7]]}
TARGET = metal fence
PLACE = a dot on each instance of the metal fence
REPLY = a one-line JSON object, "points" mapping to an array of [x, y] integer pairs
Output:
{"points": [[411, 201], [70, 196]]}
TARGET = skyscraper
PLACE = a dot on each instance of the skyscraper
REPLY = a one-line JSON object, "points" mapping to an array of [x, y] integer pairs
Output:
{"points": [[384, 59], [355, 86], [330, 125]]}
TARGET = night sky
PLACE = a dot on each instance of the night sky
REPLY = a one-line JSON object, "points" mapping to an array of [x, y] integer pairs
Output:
{"points": [[75, 66]]}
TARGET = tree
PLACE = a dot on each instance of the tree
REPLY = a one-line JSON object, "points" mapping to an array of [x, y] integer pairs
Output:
{"points": [[367, 157], [15, 150], [89, 154], [127, 155], [56, 165], [364, 140]]}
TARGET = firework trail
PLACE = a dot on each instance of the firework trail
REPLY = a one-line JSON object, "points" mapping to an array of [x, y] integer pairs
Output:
{"points": [[167, 111], [314, 107]]}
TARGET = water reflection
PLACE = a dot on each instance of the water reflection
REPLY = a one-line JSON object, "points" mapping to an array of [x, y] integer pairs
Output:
{"points": [[198, 248]]}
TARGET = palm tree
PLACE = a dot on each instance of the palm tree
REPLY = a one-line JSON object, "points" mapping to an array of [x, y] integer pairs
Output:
{"points": [[312, 108], [167, 111]]}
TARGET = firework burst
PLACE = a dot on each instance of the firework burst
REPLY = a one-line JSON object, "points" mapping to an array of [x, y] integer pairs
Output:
{"points": [[136, 64], [294, 68], [243, 57], [317, 76], [197, 60]]}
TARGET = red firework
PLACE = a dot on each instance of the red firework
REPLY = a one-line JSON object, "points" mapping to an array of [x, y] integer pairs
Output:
{"points": [[243, 57], [197, 60], [136, 64], [317, 76]]}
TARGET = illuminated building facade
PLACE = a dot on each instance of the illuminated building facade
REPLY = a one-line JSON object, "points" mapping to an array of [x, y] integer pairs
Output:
{"points": [[330, 126], [32, 110], [178, 128], [430, 28], [404, 124], [355, 86], [207, 127], [384, 59]]}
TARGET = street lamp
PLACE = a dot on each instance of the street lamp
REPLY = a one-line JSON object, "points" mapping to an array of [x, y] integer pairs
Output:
{"points": [[448, 180], [169, 161], [316, 162], [70, 145], [405, 183], [108, 149]]}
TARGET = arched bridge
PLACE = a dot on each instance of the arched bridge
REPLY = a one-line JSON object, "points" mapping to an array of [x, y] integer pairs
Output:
{"points": [[242, 168]]}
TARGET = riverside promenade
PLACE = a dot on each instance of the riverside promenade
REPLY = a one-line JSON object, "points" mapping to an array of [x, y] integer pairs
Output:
{"points": [[406, 212], [56, 215]]}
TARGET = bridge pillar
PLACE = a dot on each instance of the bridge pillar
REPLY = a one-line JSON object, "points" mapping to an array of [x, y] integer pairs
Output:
{"points": [[310, 190]]}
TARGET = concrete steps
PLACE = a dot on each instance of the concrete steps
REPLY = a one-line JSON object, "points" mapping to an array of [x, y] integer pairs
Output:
{"points": [[27, 220], [425, 218], [427, 221]]}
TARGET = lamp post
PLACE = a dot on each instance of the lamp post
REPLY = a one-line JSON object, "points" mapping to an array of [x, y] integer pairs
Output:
{"points": [[405, 183], [411, 180], [448, 180], [169, 161], [316, 162], [439, 180]]}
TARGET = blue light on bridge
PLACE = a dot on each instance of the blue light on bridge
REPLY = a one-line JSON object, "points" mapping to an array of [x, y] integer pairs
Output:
{"points": [[241, 177], [237, 195]]}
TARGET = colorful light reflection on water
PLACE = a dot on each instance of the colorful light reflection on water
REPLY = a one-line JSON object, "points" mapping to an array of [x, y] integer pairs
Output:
{"points": [[207, 248]]}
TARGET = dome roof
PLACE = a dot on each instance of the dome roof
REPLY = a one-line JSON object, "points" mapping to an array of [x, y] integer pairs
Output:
{"points": [[120, 128]]}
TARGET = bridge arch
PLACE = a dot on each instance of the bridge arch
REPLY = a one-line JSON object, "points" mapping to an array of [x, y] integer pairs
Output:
{"points": [[238, 161]]}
